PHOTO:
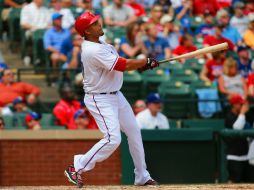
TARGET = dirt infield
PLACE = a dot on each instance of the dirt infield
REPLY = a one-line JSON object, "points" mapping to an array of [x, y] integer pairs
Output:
{"points": [[162, 187]]}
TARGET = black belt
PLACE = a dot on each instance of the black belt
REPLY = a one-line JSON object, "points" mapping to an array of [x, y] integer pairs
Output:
{"points": [[104, 93]]}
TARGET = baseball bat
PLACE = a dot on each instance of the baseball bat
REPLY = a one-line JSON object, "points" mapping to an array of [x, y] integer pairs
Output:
{"points": [[202, 51]]}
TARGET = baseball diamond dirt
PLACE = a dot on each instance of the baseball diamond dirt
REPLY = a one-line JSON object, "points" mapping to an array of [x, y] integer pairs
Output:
{"points": [[162, 187]]}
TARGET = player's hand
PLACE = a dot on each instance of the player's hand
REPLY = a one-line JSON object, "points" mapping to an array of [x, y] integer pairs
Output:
{"points": [[150, 64]]}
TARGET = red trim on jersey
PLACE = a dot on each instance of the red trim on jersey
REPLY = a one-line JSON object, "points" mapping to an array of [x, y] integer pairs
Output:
{"points": [[120, 64]]}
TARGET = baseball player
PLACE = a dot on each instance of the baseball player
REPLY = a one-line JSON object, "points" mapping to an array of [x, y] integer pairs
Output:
{"points": [[103, 77]]}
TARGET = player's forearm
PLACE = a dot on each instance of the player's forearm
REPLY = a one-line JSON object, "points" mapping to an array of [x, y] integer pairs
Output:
{"points": [[133, 64]]}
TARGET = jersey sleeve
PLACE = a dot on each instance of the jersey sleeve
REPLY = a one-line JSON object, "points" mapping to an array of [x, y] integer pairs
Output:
{"points": [[105, 59]]}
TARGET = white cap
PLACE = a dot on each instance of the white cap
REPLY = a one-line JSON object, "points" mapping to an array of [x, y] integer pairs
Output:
{"points": [[165, 19], [251, 17]]}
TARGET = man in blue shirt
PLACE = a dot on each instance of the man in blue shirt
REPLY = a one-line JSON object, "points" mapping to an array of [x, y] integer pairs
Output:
{"points": [[229, 32], [157, 47], [53, 39], [244, 62]]}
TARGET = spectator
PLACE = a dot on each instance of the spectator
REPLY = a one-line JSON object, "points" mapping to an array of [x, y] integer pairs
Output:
{"points": [[217, 38], [183, 14], [65, 109], [84, 120], [249, 7], [231, 82], [73, 54], [67, 16], [2, 124], [34, 16], [248, 36], [132, 45], [237, 148], [186, 45], [146, 3], [118, 15], [250, 83], [3, 66], [139, 106], [138, 8], [18, 106], [32, 121], [170, 32], [157, 47], [98, 4], [213, 68], [244, 62], [81, 119], [53, 39], [166, 6], [156, 14], [229, 32], [239, 20], [222, 4], [208, 27], [9, 89], [152, 118], [8, 5], [203, 6]]}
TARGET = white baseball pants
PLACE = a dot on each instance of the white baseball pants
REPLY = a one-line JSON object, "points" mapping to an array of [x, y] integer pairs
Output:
{"points": [[112, 113]]}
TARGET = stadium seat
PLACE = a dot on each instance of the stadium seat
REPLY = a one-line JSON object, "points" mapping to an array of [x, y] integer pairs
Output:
{"points": [[14, 25], [53, 127], [215, 124], [15, 122], [153, 78], [115, 34], [176, 97], [172, 66], [194, 64], [39, 53], [132, 86], [185, 75], [47, 119]]}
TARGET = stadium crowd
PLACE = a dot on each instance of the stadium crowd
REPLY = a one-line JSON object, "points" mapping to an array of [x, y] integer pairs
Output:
{"points": [[138, 29]]}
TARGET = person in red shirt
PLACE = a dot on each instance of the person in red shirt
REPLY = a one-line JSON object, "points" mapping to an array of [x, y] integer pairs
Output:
{"points": [[213, 68], [10, 90], [222, 4], [138, 8], [65, 109], [186, 46], [203, 6], [217, 38], [250, 83]]}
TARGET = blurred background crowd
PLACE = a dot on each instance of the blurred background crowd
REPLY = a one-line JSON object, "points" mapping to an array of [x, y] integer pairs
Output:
{"points": [[42, 32], [42, 89]]}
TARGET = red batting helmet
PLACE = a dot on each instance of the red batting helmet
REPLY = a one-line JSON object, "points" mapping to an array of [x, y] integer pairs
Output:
{"points": [[84, 21]]}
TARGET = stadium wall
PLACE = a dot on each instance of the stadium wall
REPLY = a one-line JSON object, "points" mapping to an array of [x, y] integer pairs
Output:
{"points": [[40, 157]]}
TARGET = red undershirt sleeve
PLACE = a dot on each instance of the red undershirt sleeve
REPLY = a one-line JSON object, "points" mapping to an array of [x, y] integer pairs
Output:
{"points": [[120, 64]]}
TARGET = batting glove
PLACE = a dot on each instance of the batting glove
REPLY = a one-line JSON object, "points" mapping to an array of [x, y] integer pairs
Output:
{"points": [[150, 64]]}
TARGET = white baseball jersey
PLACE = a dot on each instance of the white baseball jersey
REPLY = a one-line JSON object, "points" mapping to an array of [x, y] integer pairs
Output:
{"points": [[98, 63]]}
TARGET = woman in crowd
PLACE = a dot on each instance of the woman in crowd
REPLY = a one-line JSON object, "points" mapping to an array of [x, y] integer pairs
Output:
{"points": [[132, 45], [231, 82]]}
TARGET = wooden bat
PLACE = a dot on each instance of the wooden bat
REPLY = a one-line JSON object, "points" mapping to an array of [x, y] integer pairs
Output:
{"points": [[210, 49]]}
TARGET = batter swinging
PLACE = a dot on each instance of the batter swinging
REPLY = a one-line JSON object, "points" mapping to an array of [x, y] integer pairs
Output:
{"points": [[103, 77]]}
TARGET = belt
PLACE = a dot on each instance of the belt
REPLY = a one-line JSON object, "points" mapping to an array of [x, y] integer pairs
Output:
{"points": [[104, 93]]}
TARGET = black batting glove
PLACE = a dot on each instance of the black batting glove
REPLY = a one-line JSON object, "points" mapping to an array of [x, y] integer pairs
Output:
{"points": [[150, 64]]}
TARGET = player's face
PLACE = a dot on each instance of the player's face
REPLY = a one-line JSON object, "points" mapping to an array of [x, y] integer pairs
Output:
{"points": [[95, 30]]}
